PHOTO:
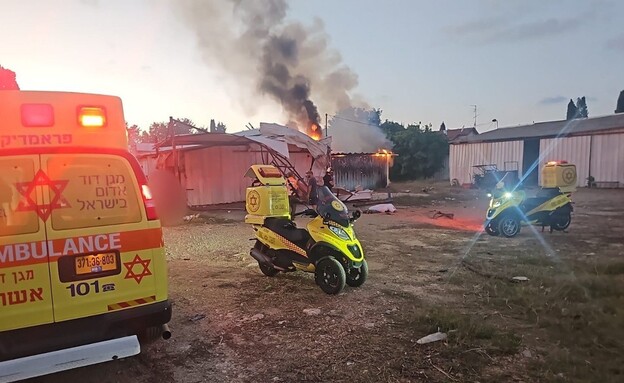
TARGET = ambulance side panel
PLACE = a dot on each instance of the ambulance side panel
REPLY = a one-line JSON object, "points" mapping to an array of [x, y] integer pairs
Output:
{"points": [[25, 296]]}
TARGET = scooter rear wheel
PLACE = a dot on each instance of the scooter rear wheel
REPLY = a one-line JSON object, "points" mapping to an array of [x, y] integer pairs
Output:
{"points": [[330, 275], [562, 223], [267, 270]]}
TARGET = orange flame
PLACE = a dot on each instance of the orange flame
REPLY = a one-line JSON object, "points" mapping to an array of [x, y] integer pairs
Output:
{"points": [[383, 153], [314, 132]]}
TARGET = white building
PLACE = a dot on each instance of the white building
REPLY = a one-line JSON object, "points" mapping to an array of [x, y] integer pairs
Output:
{"points": [[594, 145]]}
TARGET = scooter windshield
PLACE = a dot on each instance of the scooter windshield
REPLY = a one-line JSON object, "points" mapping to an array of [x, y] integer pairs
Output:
{"points": [[331, 208]]}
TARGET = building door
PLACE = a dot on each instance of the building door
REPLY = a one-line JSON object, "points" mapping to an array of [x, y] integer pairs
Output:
{"points": [[530, 162]]}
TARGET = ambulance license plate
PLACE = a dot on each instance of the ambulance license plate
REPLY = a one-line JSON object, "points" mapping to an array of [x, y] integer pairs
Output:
{"points": [[95, 263]]}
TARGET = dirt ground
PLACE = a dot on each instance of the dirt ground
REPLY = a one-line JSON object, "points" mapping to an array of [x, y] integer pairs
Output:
{"points": [[232, 324]]}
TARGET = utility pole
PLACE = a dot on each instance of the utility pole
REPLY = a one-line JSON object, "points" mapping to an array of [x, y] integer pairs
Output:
{"points": [[475, 115], [326, 132]]}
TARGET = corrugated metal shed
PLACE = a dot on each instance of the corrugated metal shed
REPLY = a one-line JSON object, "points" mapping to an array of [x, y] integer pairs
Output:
{"points": [[463, 158], [607, 161], [365, 170], [549, 129]]}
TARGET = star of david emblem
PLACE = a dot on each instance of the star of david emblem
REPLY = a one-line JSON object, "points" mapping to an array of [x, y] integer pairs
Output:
{"points": [[138, 277], [28, 191], [254, 201]]}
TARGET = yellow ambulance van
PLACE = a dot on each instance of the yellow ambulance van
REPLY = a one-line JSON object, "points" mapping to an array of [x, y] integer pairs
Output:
{"points": [[82, 260]]}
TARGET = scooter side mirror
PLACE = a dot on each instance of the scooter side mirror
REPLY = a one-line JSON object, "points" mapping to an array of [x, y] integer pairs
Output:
{"points": [[356, 214]]}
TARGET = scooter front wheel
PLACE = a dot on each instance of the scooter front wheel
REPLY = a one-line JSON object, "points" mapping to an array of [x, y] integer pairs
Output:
{"points": [[490, 228], [330, 275], [509, 225], [357, 276]]}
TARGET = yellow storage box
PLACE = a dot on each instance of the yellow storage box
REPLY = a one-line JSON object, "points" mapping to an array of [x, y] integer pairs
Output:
{"points": [[268, 195], [559, 174]]}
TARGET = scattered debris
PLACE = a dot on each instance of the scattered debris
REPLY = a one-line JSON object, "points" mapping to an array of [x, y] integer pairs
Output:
{"points": [[257, 317], [519, 279], [382, 208], [197, 317], [369, 325], [373, 202], [437, 214], [191, 217], [427, 189], [312, 312], [527, 353], [435, 337]]}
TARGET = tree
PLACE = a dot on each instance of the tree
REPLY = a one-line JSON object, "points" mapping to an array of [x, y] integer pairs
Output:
{"points": [[421, 151], [620, 103], [7, 79], [572, 111], [581, 106], [391, 128]]}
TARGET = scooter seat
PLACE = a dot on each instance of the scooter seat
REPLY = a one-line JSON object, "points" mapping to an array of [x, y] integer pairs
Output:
{"points": [[287, 229]]}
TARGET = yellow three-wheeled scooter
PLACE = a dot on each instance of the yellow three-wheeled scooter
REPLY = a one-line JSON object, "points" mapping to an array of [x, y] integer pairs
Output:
{"points": [[328, 247]]}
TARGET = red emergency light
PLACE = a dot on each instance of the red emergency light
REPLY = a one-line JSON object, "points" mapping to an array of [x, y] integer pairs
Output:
{"points": [[37, 115]]}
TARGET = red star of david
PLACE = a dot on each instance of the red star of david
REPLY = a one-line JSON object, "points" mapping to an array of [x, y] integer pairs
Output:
{"points": [[137, 261], [27, 189]]}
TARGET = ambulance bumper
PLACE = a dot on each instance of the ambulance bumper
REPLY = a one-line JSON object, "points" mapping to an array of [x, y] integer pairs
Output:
{"points": [[60, 335]]}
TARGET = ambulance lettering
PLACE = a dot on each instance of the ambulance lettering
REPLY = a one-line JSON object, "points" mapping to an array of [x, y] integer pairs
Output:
{"points": [[24, 252], [21, 296]]}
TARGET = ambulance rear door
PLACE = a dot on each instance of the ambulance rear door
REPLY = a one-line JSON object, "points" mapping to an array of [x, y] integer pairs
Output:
{"points": [[101, 237], [25, 296]]}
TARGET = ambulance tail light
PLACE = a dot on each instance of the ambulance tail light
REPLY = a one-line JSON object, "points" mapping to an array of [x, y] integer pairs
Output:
{"points": [[91, 117], [148, 200], [37, 115]]}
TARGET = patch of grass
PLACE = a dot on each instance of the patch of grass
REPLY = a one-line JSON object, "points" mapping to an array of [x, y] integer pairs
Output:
{"points": [[611, 268], [575, 309], [467, 331]]}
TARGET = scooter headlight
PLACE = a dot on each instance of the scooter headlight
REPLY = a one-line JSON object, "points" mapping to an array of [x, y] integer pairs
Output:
{"points": [[339, 232], [489, 195], [496, 204], [508, 195]]}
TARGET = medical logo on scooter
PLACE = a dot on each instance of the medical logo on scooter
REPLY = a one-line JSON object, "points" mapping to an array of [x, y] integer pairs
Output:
{"points": [[254, 201]]}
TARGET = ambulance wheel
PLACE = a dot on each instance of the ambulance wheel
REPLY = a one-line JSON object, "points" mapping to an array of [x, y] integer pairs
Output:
{"points": [[490, 228], [267, 270], [509, 225], [357, 276], [562, 222], [330, 275]]}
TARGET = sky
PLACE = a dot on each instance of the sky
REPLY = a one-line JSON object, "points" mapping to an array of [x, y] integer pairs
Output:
{"points": [[417, 61]]}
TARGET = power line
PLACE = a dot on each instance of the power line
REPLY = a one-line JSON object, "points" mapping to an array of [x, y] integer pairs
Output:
{"points": [[357, 122]]}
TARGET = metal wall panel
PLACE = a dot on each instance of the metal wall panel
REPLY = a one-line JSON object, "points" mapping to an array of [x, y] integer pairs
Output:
{"points": [[607, 162], [216, 175], [575, 150], [463, 157]]}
